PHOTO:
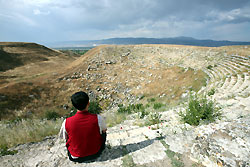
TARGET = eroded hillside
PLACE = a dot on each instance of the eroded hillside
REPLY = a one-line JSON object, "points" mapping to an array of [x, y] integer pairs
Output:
{"points": [[25, 72], [111, 74]]}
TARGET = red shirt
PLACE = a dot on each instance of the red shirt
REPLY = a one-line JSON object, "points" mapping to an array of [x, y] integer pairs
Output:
{"points": [[83, 134]]}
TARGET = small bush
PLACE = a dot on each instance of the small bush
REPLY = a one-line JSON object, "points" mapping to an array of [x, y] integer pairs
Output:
{"points": [[210, 67], [153, 118], [200, 110], [123, 109], [151, 100], [106, 104], [131, 108], [158, 105], [137, 107], [51, 115], [142, 114], [141, 97], [211, 92], [94, 107], [4, 151]]}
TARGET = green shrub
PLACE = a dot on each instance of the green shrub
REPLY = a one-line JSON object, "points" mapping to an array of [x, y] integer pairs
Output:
{"points": [[123, 109], [51, 115], [137, 107], [211, 92], [200, 110], [210, 67], [141, 97], [132, 108], [4, 151], [94, 107], [142, 114], [153, 118], [158, 105], [151, 100]]}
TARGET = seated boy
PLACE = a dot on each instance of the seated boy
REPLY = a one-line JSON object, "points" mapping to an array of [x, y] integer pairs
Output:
{"points": [[85, 133]]}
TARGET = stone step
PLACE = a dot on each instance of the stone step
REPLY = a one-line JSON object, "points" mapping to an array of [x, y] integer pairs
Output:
{"points": [[211, 77], [214, 83], [241, 87], [223, 93], [226, 83], [242, 64], [226, 71], [241, 57], [237, 67], [218, 73], [211, 86], [247, 61], [229, 68], [238, 83], [245, 83], [245, 91], [202, 90], [126, 136]]}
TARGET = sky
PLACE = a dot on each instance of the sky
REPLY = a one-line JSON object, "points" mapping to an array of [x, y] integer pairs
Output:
{"points": [[44, 21]]}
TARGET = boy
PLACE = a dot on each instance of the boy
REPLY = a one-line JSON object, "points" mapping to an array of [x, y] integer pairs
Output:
{"points": [[85, 133]]}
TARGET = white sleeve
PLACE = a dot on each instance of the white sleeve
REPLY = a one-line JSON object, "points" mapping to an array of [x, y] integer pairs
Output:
{"points": [[101, 123], [63, 133]]}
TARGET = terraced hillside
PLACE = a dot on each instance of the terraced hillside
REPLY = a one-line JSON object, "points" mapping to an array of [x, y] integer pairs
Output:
{"points": [[124, 74]]}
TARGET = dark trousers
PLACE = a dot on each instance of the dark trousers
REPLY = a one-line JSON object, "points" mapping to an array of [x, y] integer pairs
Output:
{"points": [[90, 157]]}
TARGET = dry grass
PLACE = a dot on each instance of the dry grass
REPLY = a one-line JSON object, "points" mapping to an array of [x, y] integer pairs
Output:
{"points": [[113, 119], [25, 131]]}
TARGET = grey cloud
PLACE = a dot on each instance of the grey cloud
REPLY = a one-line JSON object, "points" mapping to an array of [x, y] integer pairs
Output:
{"points": [[88, 19]]}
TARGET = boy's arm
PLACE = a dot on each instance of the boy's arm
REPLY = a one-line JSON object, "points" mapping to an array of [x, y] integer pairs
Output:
{"points": [[102, 124], [63, 133]]}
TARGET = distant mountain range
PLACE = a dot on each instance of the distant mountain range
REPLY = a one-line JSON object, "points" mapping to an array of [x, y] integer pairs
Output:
{"points": [[133, 41]]}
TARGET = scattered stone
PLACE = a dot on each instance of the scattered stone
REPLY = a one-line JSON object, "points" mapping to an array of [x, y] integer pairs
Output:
{"points": [[65, 107], [184, 95], [109, 62]]}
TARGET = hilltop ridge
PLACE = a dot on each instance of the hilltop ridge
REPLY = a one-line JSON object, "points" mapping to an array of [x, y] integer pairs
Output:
{"points": [[140, 40], [15, 54], [24, 72]]}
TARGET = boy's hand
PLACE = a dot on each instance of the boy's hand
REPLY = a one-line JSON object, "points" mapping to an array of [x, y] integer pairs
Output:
{"points": [[104, 131]]}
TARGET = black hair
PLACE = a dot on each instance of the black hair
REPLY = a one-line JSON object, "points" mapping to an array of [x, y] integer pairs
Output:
{"points": [[80, 100]]}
